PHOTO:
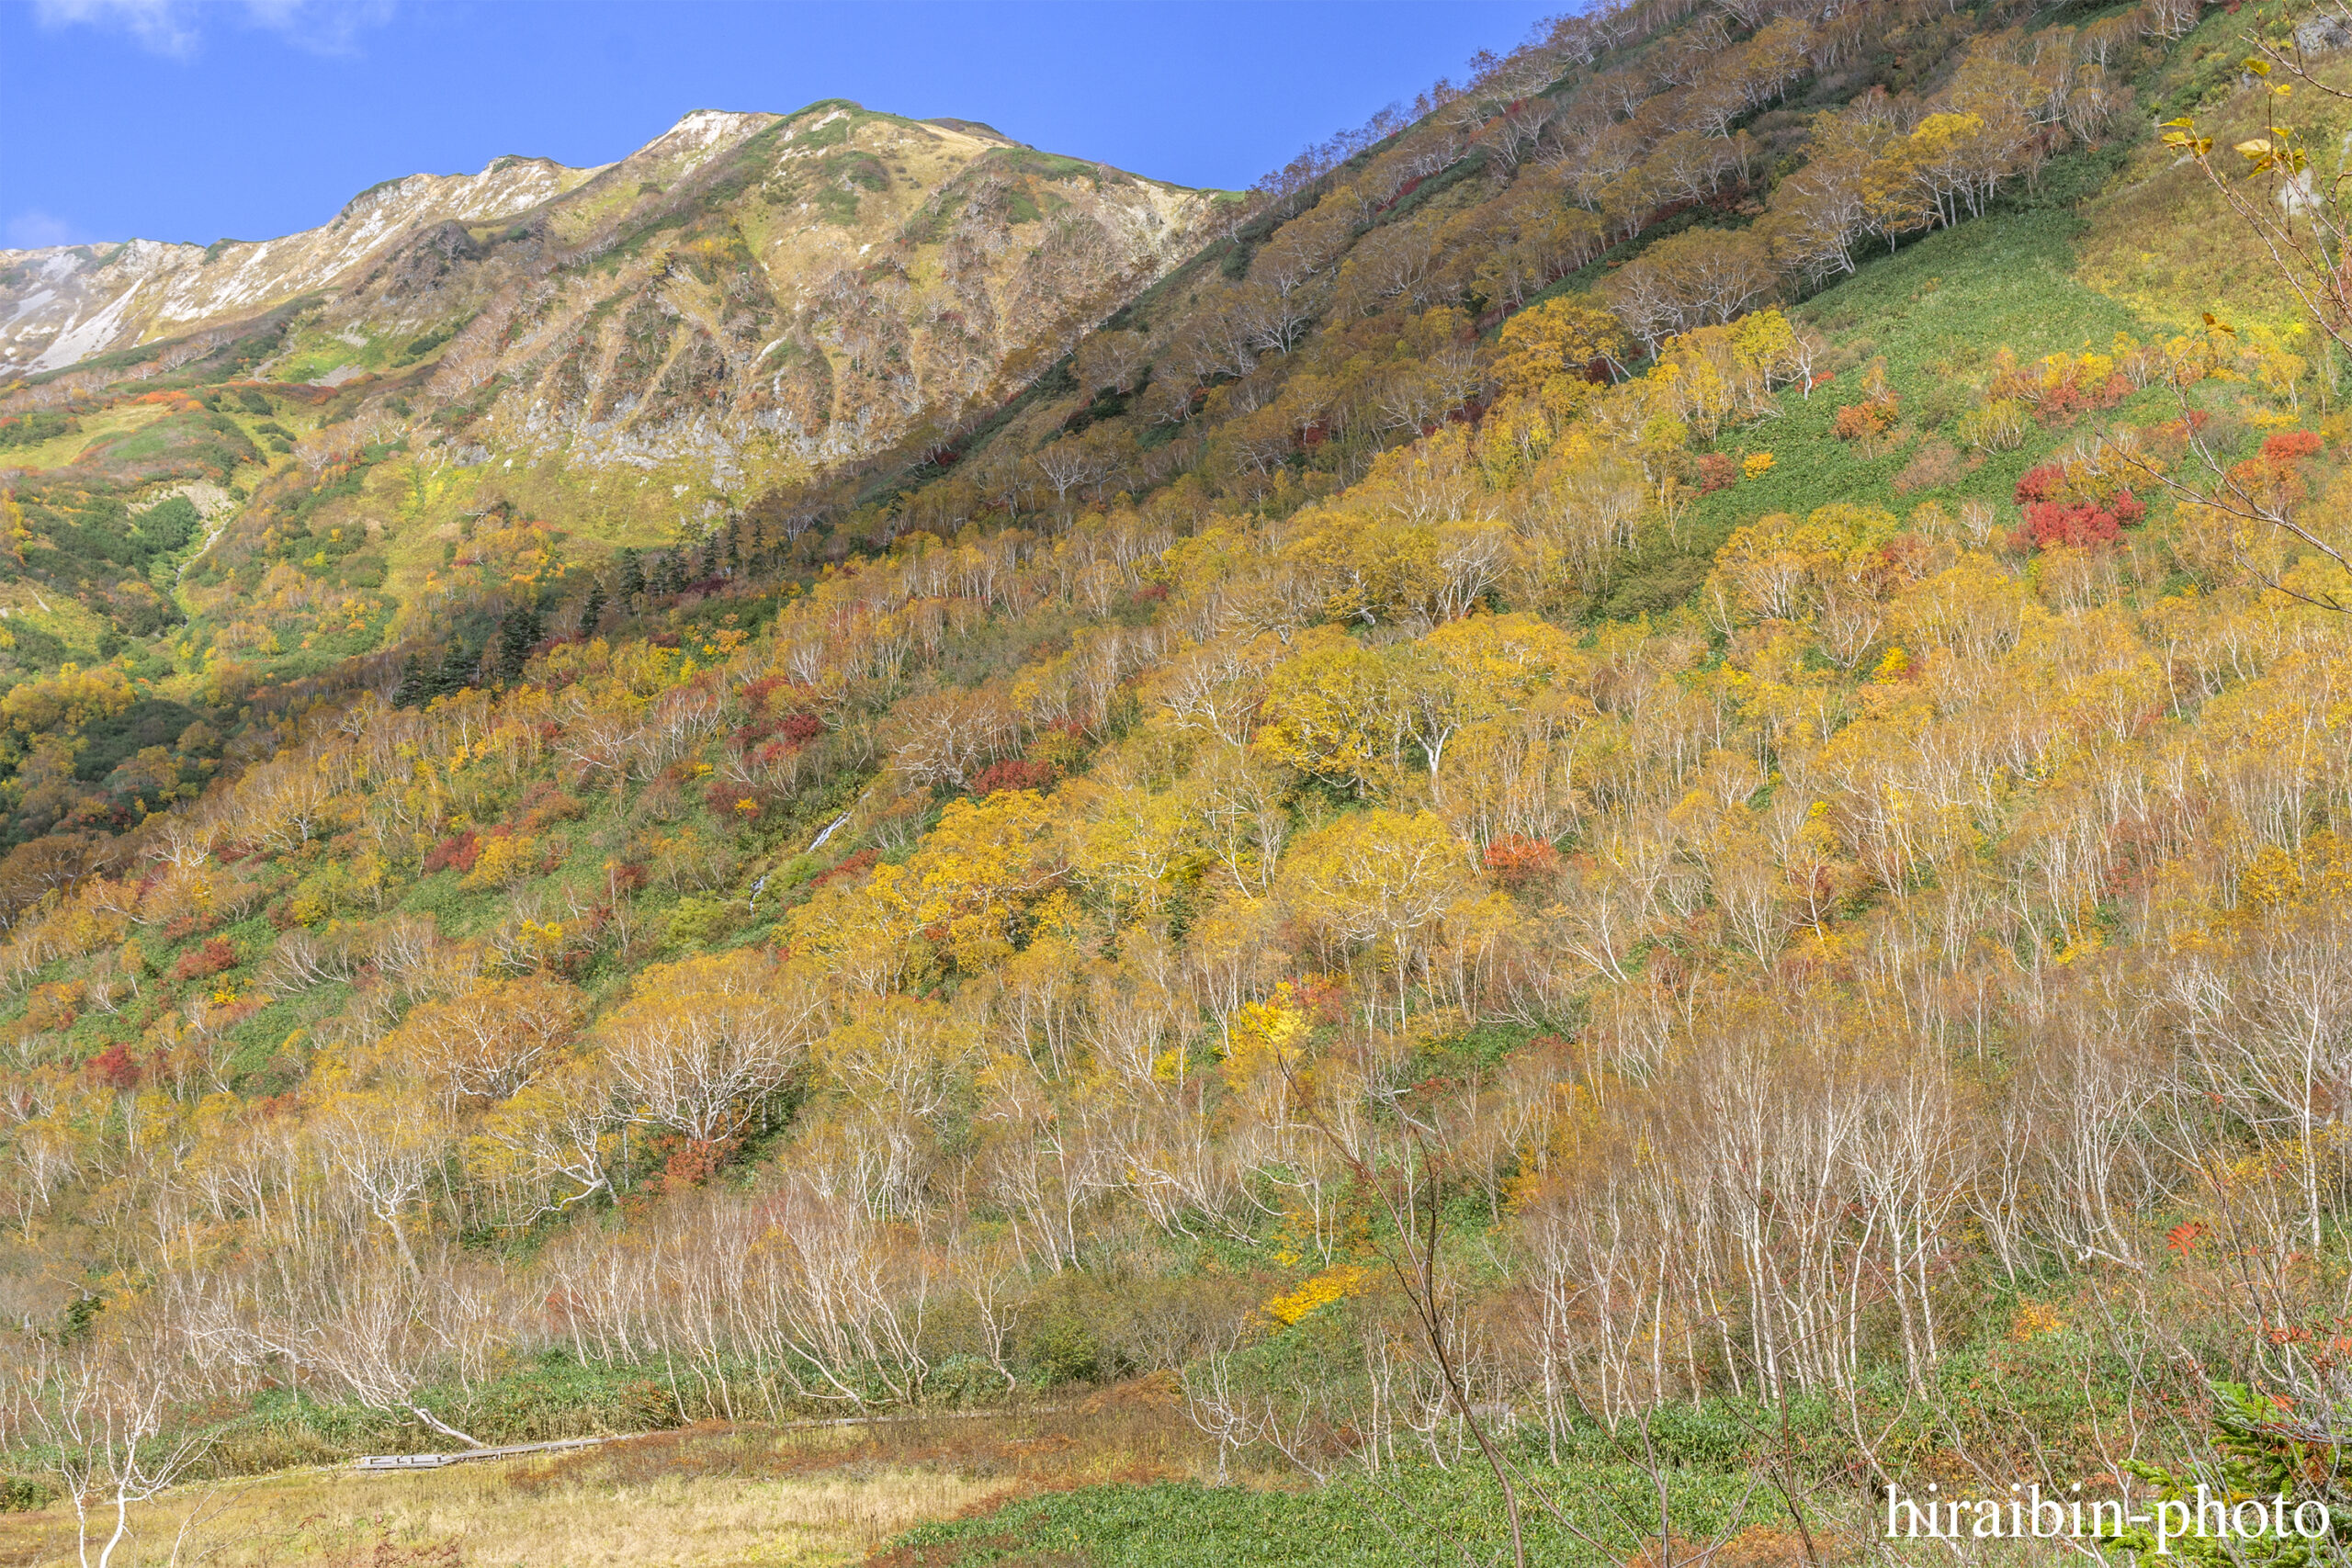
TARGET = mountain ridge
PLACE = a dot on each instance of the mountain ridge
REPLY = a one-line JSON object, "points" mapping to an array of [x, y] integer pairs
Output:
{"points": [[103, 313], [746, 297], [66, 304]]}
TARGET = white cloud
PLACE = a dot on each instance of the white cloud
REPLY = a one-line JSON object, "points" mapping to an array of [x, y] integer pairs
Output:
{"points": [[321, 27], [34, 229], [176, 28], [161, 27]]}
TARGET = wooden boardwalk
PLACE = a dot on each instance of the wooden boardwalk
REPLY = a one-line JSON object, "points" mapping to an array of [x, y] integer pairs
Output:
{"points": [[434, 1461], [391, 1462]]}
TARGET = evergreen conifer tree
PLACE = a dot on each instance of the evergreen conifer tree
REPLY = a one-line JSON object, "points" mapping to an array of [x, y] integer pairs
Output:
{"points": [[517, 633], [454, 672], [414, 680]]}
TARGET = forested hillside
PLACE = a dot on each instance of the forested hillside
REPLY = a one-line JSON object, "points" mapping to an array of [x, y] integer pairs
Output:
{"points": [[1646, 791], [276, 469]]}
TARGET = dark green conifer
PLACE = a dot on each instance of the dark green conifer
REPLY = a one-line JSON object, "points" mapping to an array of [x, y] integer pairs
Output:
{"points": [[454, 672], [414, 681], [518, 633]]}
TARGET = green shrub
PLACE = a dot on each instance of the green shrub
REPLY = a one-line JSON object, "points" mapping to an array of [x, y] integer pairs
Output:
{"points": [[169, 523], [22, 1494], [422, 344], [32, 429], [699, 922]]}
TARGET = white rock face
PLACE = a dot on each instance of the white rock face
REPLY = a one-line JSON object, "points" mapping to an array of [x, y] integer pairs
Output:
{"points": [[63, 304], [691, 142]]}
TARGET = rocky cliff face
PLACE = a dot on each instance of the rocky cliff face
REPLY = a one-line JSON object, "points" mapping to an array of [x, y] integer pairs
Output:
{"points": [[746, 297], [66, 304]]}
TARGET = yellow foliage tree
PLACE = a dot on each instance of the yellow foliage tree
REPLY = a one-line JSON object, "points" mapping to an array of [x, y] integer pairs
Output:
{"points": [[699, 1042], [1375, 881]]}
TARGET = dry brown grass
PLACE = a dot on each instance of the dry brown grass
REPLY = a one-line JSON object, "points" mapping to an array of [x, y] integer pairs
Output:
{"points": [[702, 1496]]}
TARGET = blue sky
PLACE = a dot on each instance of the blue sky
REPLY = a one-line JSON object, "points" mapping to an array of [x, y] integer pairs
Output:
{"points": [[199, 119]]}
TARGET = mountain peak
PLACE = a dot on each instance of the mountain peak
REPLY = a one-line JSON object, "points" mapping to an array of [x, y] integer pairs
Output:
{"points": [[707, 128], [979, 128]]}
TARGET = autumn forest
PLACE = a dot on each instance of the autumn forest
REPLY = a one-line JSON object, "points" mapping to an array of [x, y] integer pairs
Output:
{"points": [[1619, 816]]}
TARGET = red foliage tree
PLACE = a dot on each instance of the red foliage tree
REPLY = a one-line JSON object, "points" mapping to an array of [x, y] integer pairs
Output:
{"points": [[459, 852], [2045, 482], [2059, 512], [851, 868], [2289, 444], [1515, 861], [1013, 772], [2083, 524], [115, 1066], [210, 958]]}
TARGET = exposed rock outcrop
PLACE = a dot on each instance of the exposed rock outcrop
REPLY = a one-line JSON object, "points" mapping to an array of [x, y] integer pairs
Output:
{"points": [[746, 295]]}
